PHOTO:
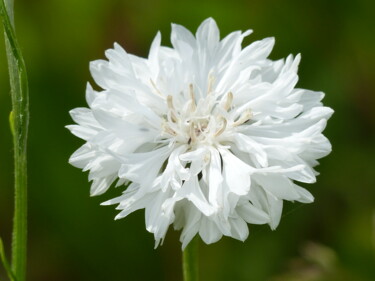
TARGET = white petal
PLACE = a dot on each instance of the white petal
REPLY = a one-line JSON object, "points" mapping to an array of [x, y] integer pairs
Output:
{"points": [[101, 185], [278, 185], [174, 168], [82, 156], [236, 173], [90, 94], [192, 218], [198, 159], [208, 35], [191, 190], [215, 179], [250, 146], [135, 205], [305, 196], [251, 214], [119, 60], [182, 36], [84, 117], [239, 229], [82, 132], [208, 231], [143, 167], [275, 207], [258, 50], [153, 56]]}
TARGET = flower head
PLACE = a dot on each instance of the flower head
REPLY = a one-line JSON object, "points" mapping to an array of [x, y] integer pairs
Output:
{"points": [[205, 135]]}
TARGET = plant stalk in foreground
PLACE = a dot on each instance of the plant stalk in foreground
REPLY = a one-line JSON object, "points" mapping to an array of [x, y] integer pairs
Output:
{"points": [[19, 121]]}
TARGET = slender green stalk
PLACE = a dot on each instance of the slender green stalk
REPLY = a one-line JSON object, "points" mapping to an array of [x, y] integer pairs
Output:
{"points": [[19, 121], [5, 262], [190, 260]]}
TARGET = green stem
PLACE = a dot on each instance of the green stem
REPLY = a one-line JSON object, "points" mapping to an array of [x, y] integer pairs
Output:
{"points": [[190, 260], [19, 121], [5, 262]]}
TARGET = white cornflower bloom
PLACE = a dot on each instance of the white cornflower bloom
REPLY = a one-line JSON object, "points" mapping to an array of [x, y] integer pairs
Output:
{"points": [[206, 136]]}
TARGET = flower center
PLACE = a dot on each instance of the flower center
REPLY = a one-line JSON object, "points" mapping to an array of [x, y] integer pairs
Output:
{"points": [[194, 123]]}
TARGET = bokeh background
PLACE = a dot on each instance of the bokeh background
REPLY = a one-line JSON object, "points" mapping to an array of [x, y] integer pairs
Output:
{"points": [[71, 237]]}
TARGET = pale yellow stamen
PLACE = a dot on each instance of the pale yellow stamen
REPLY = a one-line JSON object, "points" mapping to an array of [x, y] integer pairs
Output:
{"points": [[192, 97], [156, 88], [223, 126], [171, 108], [245, 116], [228, 101], [211, 81], [168, 129], [193, 136]]}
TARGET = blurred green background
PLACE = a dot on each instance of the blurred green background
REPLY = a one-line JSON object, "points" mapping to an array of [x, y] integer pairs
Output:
{"points": [[71, 237]]}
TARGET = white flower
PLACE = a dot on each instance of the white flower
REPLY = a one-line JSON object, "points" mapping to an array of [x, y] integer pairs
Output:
{"points": [[206, 136]]}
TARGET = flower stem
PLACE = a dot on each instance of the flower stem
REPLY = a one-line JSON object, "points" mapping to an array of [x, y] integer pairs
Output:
{"points": [[190, 260], [5, 262], [19, 121]]}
